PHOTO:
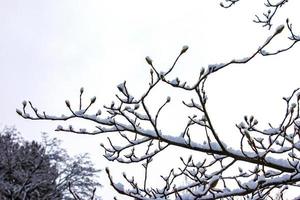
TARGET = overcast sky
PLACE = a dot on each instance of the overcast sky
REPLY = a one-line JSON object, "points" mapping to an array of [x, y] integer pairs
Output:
{"points": [[49, 49]]}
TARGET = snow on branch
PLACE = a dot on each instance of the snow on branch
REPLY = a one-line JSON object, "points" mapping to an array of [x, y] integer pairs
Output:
{"points": [[228, 3], [272, 154], [265, 20], [273, 8]]}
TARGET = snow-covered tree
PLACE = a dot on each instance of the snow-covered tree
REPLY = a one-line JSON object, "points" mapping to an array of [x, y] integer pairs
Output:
{"points": [[77, 176], [271, 153], [30, 170], [26, 170]]}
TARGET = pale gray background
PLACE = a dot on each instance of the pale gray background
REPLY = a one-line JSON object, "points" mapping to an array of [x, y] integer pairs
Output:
{"points": [[50, 48]]}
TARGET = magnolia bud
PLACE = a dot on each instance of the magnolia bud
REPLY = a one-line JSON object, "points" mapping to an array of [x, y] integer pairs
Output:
{"points": [[184, 49], [81, 90], [98, 112], [107, 170], [240, 170], [247, 134], [168, 99], [298, 96], [24, 103], [149, 60], [255, 122], [214, 183], [279, 29], [93, 99], [68, 103], [251, 118], [242, 125], [202, 71], [59, 128], [19, 112]]}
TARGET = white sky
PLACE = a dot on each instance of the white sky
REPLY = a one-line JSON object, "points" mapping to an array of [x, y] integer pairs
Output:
{"points": [[49, 49]]}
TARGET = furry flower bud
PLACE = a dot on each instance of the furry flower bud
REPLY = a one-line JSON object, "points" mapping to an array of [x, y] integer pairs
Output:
{"points": [[149, 60], [184, 49], [93, 99], [68, 103]]}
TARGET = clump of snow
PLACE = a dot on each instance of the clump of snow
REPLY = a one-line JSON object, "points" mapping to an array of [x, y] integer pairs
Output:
{"points": [[119, 186], [272, 131], [82, 130]]}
